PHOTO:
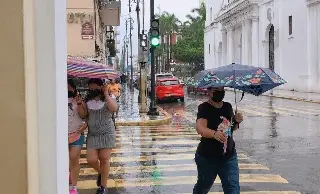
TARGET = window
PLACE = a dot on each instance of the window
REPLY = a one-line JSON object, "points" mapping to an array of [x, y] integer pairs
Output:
{"points": [[169, 83], [209, 48], [290, 25]]}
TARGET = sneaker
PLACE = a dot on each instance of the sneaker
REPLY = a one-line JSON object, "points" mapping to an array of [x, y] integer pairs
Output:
{"points": [[102, 191], [99, 180], [73, 191]]}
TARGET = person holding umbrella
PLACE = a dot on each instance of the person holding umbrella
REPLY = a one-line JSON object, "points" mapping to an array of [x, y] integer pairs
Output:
{"points": [[216, 153]]}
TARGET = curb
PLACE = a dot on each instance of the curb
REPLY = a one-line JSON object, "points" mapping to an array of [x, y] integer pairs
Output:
{"points": [[288, 98], [166, 120]]}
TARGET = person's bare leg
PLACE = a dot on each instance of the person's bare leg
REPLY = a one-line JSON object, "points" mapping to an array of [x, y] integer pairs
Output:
{"points": [[104, 157], [74, 164]]}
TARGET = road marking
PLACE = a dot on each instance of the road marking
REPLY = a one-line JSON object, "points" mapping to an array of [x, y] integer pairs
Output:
{"points": [[158, 137], [158, 157], [146, 143], [258, 192], [178, 180], [156, 134], [269, 109], [151, 150], [163, 168], [252, 112]]}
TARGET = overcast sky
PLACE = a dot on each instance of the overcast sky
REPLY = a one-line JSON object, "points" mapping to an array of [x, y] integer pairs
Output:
{"points": [[179, 7]]}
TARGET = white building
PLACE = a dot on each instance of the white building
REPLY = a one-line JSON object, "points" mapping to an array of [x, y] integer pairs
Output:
{"points": [[283, 35]]}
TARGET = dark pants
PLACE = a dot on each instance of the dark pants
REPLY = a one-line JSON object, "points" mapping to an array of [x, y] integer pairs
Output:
{"points": [[228, 171]]}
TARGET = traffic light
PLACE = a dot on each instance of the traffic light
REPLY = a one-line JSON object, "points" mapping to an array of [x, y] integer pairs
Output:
{"points": [[154, 33]]}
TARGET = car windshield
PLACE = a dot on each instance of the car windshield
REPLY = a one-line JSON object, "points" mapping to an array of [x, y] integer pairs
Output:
{"points": [[163, 76], [169, 83]]}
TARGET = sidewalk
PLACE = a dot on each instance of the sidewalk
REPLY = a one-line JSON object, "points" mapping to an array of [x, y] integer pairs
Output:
{"points": [[299, 96], [129, 112]]}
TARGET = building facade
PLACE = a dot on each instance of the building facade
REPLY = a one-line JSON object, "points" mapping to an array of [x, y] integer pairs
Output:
{"points": [[87, 33], [283, 35]]}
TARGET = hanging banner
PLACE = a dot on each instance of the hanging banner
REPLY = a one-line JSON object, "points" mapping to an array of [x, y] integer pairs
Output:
{"points": [[87, 31]]}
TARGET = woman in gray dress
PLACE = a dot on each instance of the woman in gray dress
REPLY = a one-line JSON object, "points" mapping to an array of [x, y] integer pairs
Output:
{"points": [[101, 136]]}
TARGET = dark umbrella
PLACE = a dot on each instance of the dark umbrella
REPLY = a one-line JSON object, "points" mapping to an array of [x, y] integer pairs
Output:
{"points": [[249, 79]]}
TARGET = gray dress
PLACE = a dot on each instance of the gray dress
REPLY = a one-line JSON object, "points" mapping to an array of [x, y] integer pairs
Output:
{"points": [[101, 129]]}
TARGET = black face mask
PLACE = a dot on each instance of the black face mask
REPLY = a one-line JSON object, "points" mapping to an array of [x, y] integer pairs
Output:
{"points": [[71, 94], [218, 96], [94, 93]]}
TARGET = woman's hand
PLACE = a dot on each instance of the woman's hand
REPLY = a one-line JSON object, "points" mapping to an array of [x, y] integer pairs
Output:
{"points": [[78, 99], [220, 136], [238, 118]]}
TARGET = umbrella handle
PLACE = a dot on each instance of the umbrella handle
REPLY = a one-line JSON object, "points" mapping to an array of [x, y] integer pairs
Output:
{"points": [[235, 100]]}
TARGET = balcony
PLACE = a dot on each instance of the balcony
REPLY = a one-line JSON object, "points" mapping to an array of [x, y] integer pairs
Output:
{"points": [[110, 12]]}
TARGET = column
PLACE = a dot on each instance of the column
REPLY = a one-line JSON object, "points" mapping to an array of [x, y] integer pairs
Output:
{"points": [[312, 49], [246, 47], [255, 42], [230, 41], [34, 116], [224, 47]]}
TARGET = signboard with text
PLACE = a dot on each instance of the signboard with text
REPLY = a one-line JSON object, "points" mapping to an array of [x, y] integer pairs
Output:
{"points": [[87, 30]]}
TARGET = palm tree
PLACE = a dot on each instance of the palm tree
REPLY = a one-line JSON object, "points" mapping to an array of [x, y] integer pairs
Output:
{"points": [[169, 24], [200, 14]]}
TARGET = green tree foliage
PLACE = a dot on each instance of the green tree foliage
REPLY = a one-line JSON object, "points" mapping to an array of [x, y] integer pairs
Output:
{"points": [[190, 48]]}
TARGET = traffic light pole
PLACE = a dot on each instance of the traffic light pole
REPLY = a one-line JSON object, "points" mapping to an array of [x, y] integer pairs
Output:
{"points": [[153, 107]]}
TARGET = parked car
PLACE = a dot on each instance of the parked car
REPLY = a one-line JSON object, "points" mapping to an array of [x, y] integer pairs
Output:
{"points": [[157, 76], [195, 90], [169, 88]]}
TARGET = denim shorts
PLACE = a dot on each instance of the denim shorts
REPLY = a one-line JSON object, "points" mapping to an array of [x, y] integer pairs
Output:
{"points": [[79, 142]]}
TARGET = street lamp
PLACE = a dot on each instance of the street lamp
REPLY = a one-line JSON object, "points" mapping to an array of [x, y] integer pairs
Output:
{"points": [[130, 21]]}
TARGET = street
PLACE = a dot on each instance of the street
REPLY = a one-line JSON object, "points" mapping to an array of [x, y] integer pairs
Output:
{"points": [[278, 150]]}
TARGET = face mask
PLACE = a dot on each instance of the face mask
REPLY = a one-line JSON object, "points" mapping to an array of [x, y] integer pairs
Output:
{"points": [[71, 94], [94, 93], [218, 96]]}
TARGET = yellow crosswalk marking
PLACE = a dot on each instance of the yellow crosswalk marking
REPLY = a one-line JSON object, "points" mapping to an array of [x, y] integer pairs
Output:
{"points": [[151, 150], [164, 168], [146, 143], [258, 192], [158, 137], [158, 157], [269, 109], [178, 180], [241, 109]]}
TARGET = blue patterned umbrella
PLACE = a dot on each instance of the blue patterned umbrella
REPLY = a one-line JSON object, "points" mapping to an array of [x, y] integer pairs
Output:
{"points": [[249, 79]]}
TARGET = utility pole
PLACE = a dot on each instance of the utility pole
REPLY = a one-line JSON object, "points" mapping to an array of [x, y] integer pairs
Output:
{"points": [[139, 50], [126, 47], [131, 76], [153, 108]]}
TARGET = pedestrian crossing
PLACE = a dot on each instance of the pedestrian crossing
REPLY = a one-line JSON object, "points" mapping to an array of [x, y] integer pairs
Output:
{"points": [[160, 159]]}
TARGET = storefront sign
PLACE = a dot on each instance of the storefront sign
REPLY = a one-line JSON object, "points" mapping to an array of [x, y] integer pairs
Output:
{"points": [[87, 31], [79, 18]]}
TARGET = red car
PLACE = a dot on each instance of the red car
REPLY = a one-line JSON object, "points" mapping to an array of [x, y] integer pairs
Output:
{"points": [[169, 88], [192, 89]]}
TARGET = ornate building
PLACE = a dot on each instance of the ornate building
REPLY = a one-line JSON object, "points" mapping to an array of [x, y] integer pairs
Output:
{"points": [[283, 35]]}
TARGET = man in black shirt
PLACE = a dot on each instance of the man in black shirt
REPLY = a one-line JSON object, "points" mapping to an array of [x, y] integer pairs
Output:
{"points": [[211, 157]]}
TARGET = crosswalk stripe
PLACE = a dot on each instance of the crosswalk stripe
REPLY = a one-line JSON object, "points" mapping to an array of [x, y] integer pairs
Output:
{"points": [[158, 157], [163, 168], [151, 150], [257, 192], [157, 137], [146, 143], [178, 180], [268, 109], [241, 109]]}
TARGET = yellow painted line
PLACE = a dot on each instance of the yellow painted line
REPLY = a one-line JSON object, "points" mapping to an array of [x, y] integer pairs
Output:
{"points": [[298, 111], [154, 150], [156, 134], [156, 130], [252, 112], [258, 192], [175, 142], [157, 137], [167, 168], [178, 180], [158, 157], [269, 109]]}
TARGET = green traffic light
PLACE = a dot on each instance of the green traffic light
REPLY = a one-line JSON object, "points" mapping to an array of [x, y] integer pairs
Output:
{"points": [[155, 41]]}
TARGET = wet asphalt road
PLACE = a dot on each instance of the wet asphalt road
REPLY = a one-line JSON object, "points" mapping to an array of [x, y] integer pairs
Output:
{"points": [[278, 145]]}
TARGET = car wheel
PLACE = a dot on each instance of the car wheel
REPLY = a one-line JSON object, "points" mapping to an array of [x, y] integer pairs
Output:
{"points": [[181, 99]]}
